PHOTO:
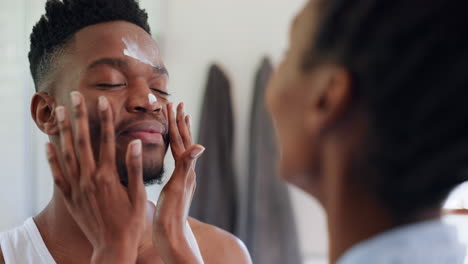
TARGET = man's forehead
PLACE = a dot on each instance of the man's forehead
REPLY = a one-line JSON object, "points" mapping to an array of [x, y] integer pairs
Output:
{"points": [[146, 54], [114, 39]]}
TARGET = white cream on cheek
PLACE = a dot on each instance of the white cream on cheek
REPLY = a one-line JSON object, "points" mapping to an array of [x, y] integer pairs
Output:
{"points": [[152, 99]]}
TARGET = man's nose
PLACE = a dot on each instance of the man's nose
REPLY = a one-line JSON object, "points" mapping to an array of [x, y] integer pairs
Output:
{"points": [[143, 100]]}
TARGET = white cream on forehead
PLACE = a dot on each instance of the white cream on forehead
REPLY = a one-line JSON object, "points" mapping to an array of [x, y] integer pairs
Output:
{"points": [[133, 50], [152, 98]]}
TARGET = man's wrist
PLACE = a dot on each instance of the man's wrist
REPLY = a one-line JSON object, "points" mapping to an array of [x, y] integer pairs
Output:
{"points": [[117, 253]]}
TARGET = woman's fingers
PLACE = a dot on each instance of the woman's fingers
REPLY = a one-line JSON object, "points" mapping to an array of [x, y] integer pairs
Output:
{"points": [[57, 174], [82, 139], [107, 143], [177, 145], [67, 151], [183, 128], [136, 188]]}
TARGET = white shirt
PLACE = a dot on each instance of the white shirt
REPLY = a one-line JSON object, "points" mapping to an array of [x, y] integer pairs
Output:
{"points": [[24, 245], [432, 242]]}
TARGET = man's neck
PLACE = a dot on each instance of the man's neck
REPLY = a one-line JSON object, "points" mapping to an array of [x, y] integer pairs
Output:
{"points": [[61, 234], [68, 244]]}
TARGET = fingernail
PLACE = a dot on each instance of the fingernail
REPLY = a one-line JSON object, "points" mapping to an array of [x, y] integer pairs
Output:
{"points": [[197, 152], [75, 98], [136, 148], [60, 112], [103, 104]]}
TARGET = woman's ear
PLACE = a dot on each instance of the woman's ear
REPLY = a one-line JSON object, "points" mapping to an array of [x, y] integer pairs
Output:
{"points": [[331, 97], [43, 114]]}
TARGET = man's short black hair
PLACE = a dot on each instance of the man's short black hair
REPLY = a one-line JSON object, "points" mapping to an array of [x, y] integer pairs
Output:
{"points": [[64, 18], [409, 65]]}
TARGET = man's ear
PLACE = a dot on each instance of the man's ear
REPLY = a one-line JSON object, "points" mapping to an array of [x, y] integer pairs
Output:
{"points": [[43, 114], [330, 98]]}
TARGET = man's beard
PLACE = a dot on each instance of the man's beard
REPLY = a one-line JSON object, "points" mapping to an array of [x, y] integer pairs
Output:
{"points": [[151, 175]]}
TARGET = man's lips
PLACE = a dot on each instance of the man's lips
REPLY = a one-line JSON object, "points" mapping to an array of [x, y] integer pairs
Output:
{"points": [[147, 132], [146, 137]]}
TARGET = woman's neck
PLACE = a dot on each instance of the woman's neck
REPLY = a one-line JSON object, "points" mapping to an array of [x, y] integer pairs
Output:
{"points": [[354, 214]]}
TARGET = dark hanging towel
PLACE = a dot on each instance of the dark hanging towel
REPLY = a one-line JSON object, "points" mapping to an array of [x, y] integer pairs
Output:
{"points": [[270, 231], [215, 199]]}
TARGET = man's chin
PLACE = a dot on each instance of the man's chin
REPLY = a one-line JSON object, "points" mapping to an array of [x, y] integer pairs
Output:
{"points": [[151, 175]]}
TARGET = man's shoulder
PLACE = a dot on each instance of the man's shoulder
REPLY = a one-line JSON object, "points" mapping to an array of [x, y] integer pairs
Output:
{"points": [[207, 231], [218, 245], [212, 234]]}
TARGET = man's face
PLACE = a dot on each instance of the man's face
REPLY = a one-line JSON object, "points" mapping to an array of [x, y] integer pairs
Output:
{"points": [[287, 100], [120, 61]]}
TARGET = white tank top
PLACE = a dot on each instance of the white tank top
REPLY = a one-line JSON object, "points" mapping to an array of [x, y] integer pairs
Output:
{"points": [[24, 245]]}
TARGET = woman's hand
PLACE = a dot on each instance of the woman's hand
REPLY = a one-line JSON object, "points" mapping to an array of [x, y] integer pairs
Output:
{"points": [[111, 216], [172, 235]]}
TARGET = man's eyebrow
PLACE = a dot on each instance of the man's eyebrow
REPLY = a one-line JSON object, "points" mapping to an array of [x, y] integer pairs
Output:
{"points": [[123, 64], [161, 70], [113, 62]]}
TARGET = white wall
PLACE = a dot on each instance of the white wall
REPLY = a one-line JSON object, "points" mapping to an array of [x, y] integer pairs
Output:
{"points": [[15, 189]]}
